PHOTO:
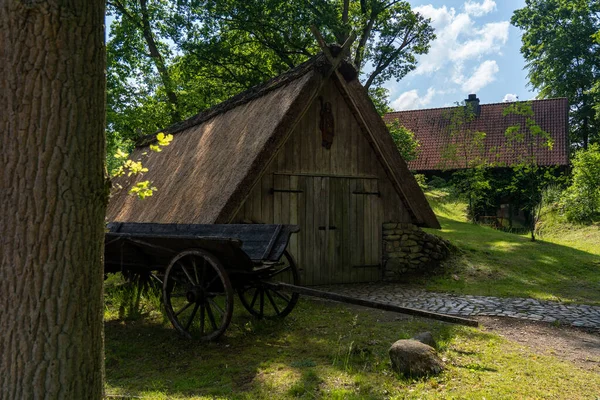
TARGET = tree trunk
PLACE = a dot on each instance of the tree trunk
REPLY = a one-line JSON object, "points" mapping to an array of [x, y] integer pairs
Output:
{"points": [[52, 197]]}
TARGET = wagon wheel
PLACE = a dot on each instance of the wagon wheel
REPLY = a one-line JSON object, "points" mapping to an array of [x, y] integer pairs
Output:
{"points": [[263, 301], [198, 295]]}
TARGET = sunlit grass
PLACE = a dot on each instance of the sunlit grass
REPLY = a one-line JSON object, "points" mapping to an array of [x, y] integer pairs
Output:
{"points": [[496, 263], [326, 351]]}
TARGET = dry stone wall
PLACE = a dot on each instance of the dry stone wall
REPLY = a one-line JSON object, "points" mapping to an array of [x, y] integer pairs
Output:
{"points": [[407, 249]]}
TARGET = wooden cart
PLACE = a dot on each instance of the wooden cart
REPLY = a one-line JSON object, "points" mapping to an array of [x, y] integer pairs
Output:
{"points": [[200, 267]]}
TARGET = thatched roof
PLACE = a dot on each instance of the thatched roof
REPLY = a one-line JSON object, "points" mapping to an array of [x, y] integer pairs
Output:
{"points": [[218, 155]]}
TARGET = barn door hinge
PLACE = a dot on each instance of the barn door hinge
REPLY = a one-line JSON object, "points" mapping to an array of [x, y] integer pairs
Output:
{"points": [[378, 194], [273, 190]]}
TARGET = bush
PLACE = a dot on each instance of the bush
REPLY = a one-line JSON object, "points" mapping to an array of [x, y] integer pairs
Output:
{"points": [[405, 140], [437, 183], [581, 201]]}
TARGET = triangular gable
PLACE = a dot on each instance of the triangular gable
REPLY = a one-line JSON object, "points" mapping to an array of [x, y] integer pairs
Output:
{"points": [[383, 146]]}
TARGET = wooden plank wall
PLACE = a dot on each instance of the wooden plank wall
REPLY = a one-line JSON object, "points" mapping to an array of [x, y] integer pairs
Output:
{"points": [[316, 173]]}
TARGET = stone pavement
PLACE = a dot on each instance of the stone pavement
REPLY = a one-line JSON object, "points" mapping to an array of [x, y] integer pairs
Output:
{"points": [[466, 305]]}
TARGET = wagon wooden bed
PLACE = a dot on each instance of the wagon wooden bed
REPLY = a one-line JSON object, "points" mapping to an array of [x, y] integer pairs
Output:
{"points": [[200, 267]]}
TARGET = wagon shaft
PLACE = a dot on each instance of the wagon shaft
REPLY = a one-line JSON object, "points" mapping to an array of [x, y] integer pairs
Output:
{"points": [[372, 304]]}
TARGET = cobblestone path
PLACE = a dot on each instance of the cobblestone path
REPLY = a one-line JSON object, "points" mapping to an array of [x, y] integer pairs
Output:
{"points": [[467, 305]]}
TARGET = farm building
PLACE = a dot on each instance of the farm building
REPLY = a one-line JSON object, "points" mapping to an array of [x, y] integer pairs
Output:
{"points": [[432, 129], [305, 148], [437, 131]]}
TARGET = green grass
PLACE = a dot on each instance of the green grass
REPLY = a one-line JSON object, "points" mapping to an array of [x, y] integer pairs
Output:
{"points": [[325, 351], [555, 229], [564, 266]]}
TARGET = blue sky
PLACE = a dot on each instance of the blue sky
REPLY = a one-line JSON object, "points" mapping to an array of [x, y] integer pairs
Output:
{"points": [[476, 51]]}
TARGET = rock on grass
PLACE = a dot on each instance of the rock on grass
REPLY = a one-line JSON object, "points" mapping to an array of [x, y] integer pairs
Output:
{"points": [[413, 358]]}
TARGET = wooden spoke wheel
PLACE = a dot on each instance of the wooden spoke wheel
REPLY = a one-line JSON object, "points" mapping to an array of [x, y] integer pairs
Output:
{"points": [[264, 301], [198, 295]]}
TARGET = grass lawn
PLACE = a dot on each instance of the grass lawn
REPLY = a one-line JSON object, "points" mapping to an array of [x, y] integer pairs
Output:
{"points": [[326, 351], [564, 266]]}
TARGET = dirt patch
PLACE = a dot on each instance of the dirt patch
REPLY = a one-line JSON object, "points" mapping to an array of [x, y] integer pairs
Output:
{"points": [[580, 347]]}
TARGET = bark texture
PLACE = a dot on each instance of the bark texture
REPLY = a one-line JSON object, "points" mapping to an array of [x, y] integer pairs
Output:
{"points": [[52, 198]]}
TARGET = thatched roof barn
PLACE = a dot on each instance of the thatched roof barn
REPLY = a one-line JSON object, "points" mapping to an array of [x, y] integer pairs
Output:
{"points": [[307, 148]]}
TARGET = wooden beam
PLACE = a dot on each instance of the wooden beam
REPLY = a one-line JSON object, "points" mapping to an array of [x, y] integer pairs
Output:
{"points": [[334, 61], [371, 304]]}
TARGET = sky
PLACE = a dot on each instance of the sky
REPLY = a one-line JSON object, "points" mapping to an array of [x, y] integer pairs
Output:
{"points": [[476, 51]]}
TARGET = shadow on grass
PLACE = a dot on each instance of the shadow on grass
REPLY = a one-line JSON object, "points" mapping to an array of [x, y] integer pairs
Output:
{"points": [[497, 263], [298, 356]]}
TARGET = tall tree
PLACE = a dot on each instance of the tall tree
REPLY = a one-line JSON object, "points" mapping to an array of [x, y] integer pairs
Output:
{"points": [[52, 194], [169, 59], [563, 58], [139, 37], [390, 34]]}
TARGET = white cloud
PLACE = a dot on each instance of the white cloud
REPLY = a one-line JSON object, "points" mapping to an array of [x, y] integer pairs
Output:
{"points": [[489, 39], [480, 9], [509, 98], [483, 75], [459, 37], [411, 100]]}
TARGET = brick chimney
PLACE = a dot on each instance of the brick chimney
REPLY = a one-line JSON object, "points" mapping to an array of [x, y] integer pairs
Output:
{"points": [[473, 103]]}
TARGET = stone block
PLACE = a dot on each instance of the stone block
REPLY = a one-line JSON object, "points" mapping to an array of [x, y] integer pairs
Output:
{"points": [[390, 225]]}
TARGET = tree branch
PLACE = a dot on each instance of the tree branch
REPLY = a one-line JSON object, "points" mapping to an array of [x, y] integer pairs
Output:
{"points": [[159, 62]]}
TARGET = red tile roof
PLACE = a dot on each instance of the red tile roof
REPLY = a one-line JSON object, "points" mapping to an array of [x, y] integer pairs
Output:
{"points": [[431, 129]]}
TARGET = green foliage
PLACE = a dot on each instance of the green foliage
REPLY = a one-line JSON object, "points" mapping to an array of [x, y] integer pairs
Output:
{"points": [[474, 184], [437, 182], [405, 140], [380, 98], [563, 55], [132, 168], [421, 180], [525, 140], [581, 200]]}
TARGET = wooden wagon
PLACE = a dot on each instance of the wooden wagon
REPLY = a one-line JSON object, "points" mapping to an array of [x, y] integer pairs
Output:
{"points": [[200, 267]]}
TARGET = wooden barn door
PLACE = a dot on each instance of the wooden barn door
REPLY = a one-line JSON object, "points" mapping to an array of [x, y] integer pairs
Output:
{"points": [[340, 220]]}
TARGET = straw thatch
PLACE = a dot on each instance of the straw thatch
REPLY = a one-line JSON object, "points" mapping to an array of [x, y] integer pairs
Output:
{"points": [[217, 156]]}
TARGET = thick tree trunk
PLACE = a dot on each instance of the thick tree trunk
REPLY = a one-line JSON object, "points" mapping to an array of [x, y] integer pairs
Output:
{"points": [[52, 197]]}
